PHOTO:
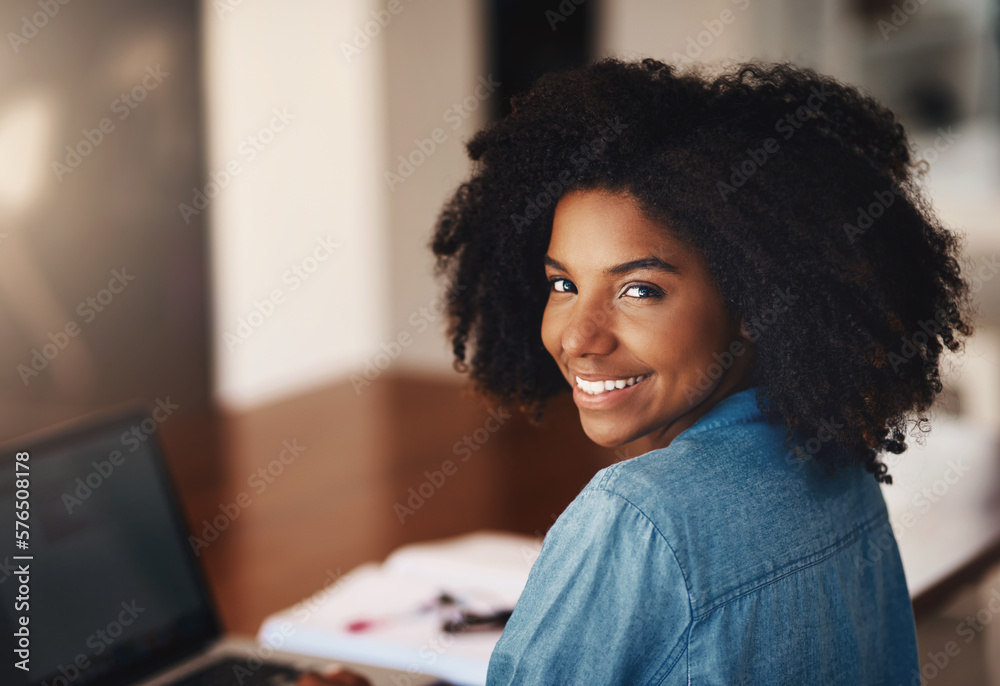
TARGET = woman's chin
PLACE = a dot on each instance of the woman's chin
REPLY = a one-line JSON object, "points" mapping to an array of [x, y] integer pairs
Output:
{"points": [[603, 435]]}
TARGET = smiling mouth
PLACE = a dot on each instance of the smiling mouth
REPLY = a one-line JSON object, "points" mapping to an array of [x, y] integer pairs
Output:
{"points": [[601, 387]]}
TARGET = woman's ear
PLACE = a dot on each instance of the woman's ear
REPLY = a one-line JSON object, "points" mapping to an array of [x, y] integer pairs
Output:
{"points": [[743, 329]]}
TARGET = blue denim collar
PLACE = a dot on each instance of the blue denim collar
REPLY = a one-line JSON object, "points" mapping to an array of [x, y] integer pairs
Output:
{"points": [[736, 408]]}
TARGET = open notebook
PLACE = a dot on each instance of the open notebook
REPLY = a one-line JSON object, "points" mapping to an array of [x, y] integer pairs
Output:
{"points": [[391, 615]]}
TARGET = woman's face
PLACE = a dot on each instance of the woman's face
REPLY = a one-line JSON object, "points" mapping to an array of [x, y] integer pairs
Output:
{"points": [[632, 308]]}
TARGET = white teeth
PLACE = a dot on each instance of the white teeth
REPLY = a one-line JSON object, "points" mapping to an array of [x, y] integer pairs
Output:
{"points": [[598, 387]]}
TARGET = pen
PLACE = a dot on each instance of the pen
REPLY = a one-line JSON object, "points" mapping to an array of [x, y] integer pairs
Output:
{"points": [[471, 621]]}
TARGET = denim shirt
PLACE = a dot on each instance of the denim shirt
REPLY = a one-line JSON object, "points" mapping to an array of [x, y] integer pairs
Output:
{"points": [[719, 559]]}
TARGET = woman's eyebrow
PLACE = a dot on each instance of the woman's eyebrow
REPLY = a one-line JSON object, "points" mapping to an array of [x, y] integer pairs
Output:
{"points": [[643, 263], [555, 265]]}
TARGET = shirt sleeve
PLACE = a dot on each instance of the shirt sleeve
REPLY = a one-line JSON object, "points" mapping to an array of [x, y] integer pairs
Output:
{"points": [[605, 603]]}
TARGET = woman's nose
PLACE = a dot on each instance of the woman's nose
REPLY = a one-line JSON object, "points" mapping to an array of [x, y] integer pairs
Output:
{"points": [[589, 329]]}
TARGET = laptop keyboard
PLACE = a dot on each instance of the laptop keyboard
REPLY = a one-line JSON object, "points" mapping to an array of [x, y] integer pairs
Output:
{"points": [[230, 672]]}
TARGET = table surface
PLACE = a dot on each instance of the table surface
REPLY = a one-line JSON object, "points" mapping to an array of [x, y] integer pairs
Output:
{"points": [[370, 476], [352, 492], [327, 513]]}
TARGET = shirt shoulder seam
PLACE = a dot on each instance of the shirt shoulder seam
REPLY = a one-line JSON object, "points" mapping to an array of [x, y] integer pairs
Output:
{"points": [[752, 585], [819, 556]]}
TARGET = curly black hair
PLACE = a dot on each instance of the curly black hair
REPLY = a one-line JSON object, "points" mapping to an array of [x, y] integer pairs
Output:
{"points": [[795, 188]]}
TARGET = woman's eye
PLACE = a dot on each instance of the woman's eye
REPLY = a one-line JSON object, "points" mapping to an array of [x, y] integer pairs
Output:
{"points": [[562, 285], [643, 292]]}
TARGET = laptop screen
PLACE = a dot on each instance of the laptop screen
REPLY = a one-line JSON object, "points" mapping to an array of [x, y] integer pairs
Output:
{"points": [[112, 589]]}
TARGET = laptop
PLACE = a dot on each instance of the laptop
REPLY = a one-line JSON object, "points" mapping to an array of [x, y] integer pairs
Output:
{"points": [[99, 585]]}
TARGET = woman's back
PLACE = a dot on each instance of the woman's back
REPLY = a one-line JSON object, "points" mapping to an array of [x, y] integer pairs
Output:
{"points": [[657, 569]]}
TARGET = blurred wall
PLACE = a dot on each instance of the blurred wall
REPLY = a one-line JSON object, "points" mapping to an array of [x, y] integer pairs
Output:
{"points": [[380, 97], [298, 232], [335, 131], [103, 294], [440, 90]]}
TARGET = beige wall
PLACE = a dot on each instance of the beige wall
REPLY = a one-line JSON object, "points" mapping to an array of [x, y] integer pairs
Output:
{"points": [[434, 60], [315, 179], [359, 103]]}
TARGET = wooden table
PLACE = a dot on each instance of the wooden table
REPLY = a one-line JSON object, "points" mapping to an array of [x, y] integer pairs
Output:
{"points": [[340, 470], [347, 495]]}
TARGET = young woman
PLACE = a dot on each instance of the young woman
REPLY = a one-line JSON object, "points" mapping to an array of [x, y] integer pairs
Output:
{"points": [[740, 275]]}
